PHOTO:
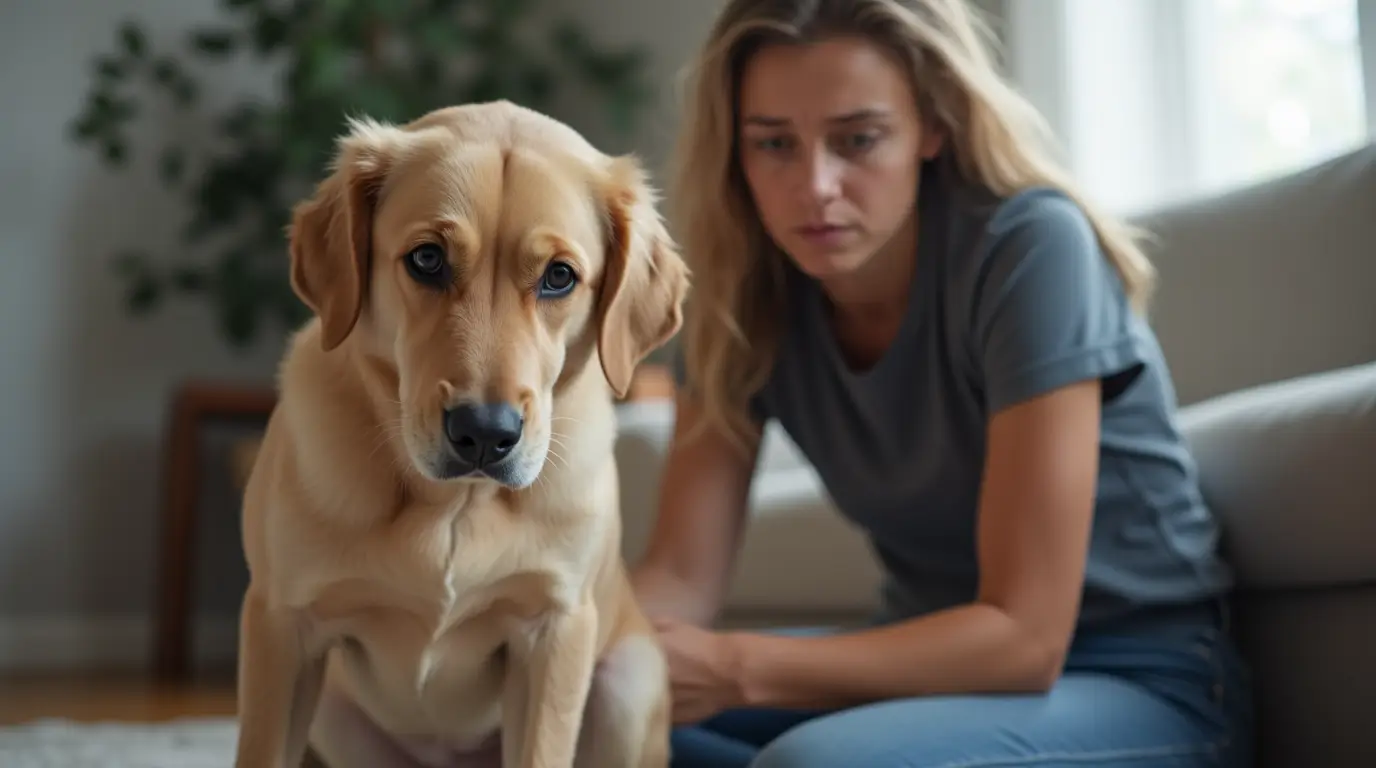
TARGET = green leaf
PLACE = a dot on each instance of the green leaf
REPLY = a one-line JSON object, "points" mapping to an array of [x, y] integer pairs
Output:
{"points": [[214, 42], [110, 69], [428, 73], [302, 154], [378, 101], [85, 128], [199, 228], [172, 165], [190, 279], [539, 84], [443, 39], [144, 294], [486, 86], [133, 38], [130, 264], [269, 32], [116, 152], [184, 93], [324, 66], [569, 40], [242, 122], [508, 12], [166, 72], [238, 320], [121, 110], [293, 313], [238, 296]]}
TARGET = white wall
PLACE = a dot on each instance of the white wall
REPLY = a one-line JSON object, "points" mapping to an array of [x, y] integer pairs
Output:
{"points": [[84, 387]]}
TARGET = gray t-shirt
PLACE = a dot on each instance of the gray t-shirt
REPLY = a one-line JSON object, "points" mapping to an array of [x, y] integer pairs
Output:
{"points": [[1010, 298]]}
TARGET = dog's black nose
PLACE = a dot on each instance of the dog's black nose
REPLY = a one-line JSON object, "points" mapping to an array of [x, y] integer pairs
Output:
{"points": [[483, 433]]}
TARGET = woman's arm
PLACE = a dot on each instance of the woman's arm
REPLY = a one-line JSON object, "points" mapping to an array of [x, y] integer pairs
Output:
{"points": [[1034, 522], [702, 507]]}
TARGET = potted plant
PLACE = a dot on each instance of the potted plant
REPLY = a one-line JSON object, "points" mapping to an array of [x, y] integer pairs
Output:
{"points": [[388, 59]]}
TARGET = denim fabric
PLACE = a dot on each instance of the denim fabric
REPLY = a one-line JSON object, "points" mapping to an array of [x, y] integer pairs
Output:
{"points": [[1166, 691]]}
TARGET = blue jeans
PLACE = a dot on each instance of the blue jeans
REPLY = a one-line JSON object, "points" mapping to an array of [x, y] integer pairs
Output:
{"points": [[1166, 691]]}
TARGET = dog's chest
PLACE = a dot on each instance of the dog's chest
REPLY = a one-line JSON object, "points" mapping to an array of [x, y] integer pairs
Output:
{"points": [[421, 612], [443, 569]]}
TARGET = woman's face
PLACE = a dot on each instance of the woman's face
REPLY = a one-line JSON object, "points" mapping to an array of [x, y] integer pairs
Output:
{"points": [[831, 145]]}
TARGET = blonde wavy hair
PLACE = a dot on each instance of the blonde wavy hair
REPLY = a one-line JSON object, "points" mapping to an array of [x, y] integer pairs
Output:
{"points": [[997, 139]]}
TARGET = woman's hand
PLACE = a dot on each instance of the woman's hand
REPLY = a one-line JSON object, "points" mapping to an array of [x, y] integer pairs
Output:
{"points": [[704, 670]]}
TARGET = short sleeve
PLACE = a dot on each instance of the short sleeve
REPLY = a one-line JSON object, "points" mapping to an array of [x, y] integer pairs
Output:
{"points": [[1049, 308]]}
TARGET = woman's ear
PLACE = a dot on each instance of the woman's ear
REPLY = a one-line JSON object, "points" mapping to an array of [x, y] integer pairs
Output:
{"points": [[644, 279]]}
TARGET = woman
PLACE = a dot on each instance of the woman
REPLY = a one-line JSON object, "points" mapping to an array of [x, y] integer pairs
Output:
{"points": [[890, 265]]}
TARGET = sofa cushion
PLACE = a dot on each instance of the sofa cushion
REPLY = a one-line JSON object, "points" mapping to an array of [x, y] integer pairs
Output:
{"points": [[1290, 468]]}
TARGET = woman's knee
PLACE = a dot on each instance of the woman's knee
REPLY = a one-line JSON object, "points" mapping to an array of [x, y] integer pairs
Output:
{"points": [[810, 745]]}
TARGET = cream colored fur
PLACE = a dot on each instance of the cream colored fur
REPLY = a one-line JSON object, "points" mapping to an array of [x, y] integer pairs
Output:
{"points": [[400, 616]]}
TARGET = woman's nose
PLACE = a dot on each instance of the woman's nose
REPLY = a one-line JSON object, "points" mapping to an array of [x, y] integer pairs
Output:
{"points": [[823, 175]]}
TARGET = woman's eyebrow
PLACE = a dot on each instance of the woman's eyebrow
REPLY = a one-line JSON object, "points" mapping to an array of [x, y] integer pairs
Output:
{"points": [[854, 116]]}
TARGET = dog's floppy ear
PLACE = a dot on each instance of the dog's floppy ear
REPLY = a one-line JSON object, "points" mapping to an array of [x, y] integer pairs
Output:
{"points": [[644, 280], [331, 233]]}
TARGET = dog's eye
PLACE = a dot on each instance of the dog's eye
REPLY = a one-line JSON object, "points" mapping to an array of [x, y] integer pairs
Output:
{"points": [[427, 263], [558, 280]]}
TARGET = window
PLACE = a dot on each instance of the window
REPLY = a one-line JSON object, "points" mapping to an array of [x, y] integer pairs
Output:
{"points": [[1281, 85], [1156, 101]]}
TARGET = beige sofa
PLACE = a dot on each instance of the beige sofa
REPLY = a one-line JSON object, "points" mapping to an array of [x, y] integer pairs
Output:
{"points": [[1266, 313]]}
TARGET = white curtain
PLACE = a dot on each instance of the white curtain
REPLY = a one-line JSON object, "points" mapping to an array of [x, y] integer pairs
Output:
{"points": [[1158, 101]]}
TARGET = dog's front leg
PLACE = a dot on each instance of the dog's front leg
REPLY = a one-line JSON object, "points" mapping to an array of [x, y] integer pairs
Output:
{"points": [[280, 677], [627, 722], [556, 659]]}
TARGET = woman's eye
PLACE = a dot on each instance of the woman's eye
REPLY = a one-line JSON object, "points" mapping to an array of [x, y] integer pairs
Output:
{"points": [[859, 141], [427, 264], [558, 280], [772, 143]]}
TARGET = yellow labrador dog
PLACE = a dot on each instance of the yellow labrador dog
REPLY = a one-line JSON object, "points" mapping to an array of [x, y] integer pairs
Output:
{"points": [[432, 525]]}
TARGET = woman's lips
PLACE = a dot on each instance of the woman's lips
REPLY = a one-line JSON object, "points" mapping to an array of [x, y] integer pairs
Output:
{"points": [[825, 234]]}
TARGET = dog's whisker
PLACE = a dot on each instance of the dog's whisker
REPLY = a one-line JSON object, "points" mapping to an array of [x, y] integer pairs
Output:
{"points": [[389, 424], [555, 442], [562, 462], [388, 431]]}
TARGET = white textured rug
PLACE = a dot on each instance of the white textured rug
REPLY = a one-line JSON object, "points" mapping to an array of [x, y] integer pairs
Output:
{"points": [[187, 743]]}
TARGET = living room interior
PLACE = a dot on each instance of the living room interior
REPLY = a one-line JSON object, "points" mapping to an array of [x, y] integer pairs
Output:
{"points": [[1238, 133]]}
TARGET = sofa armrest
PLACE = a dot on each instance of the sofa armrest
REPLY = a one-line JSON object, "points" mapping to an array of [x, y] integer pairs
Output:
{"points": [[1290, 468]]}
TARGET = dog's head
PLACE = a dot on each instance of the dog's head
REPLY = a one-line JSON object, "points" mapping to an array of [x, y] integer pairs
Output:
{"points": [[481, 253]]}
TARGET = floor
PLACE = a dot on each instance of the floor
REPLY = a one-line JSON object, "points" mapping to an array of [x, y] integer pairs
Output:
{"points": [[112, 697]]}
